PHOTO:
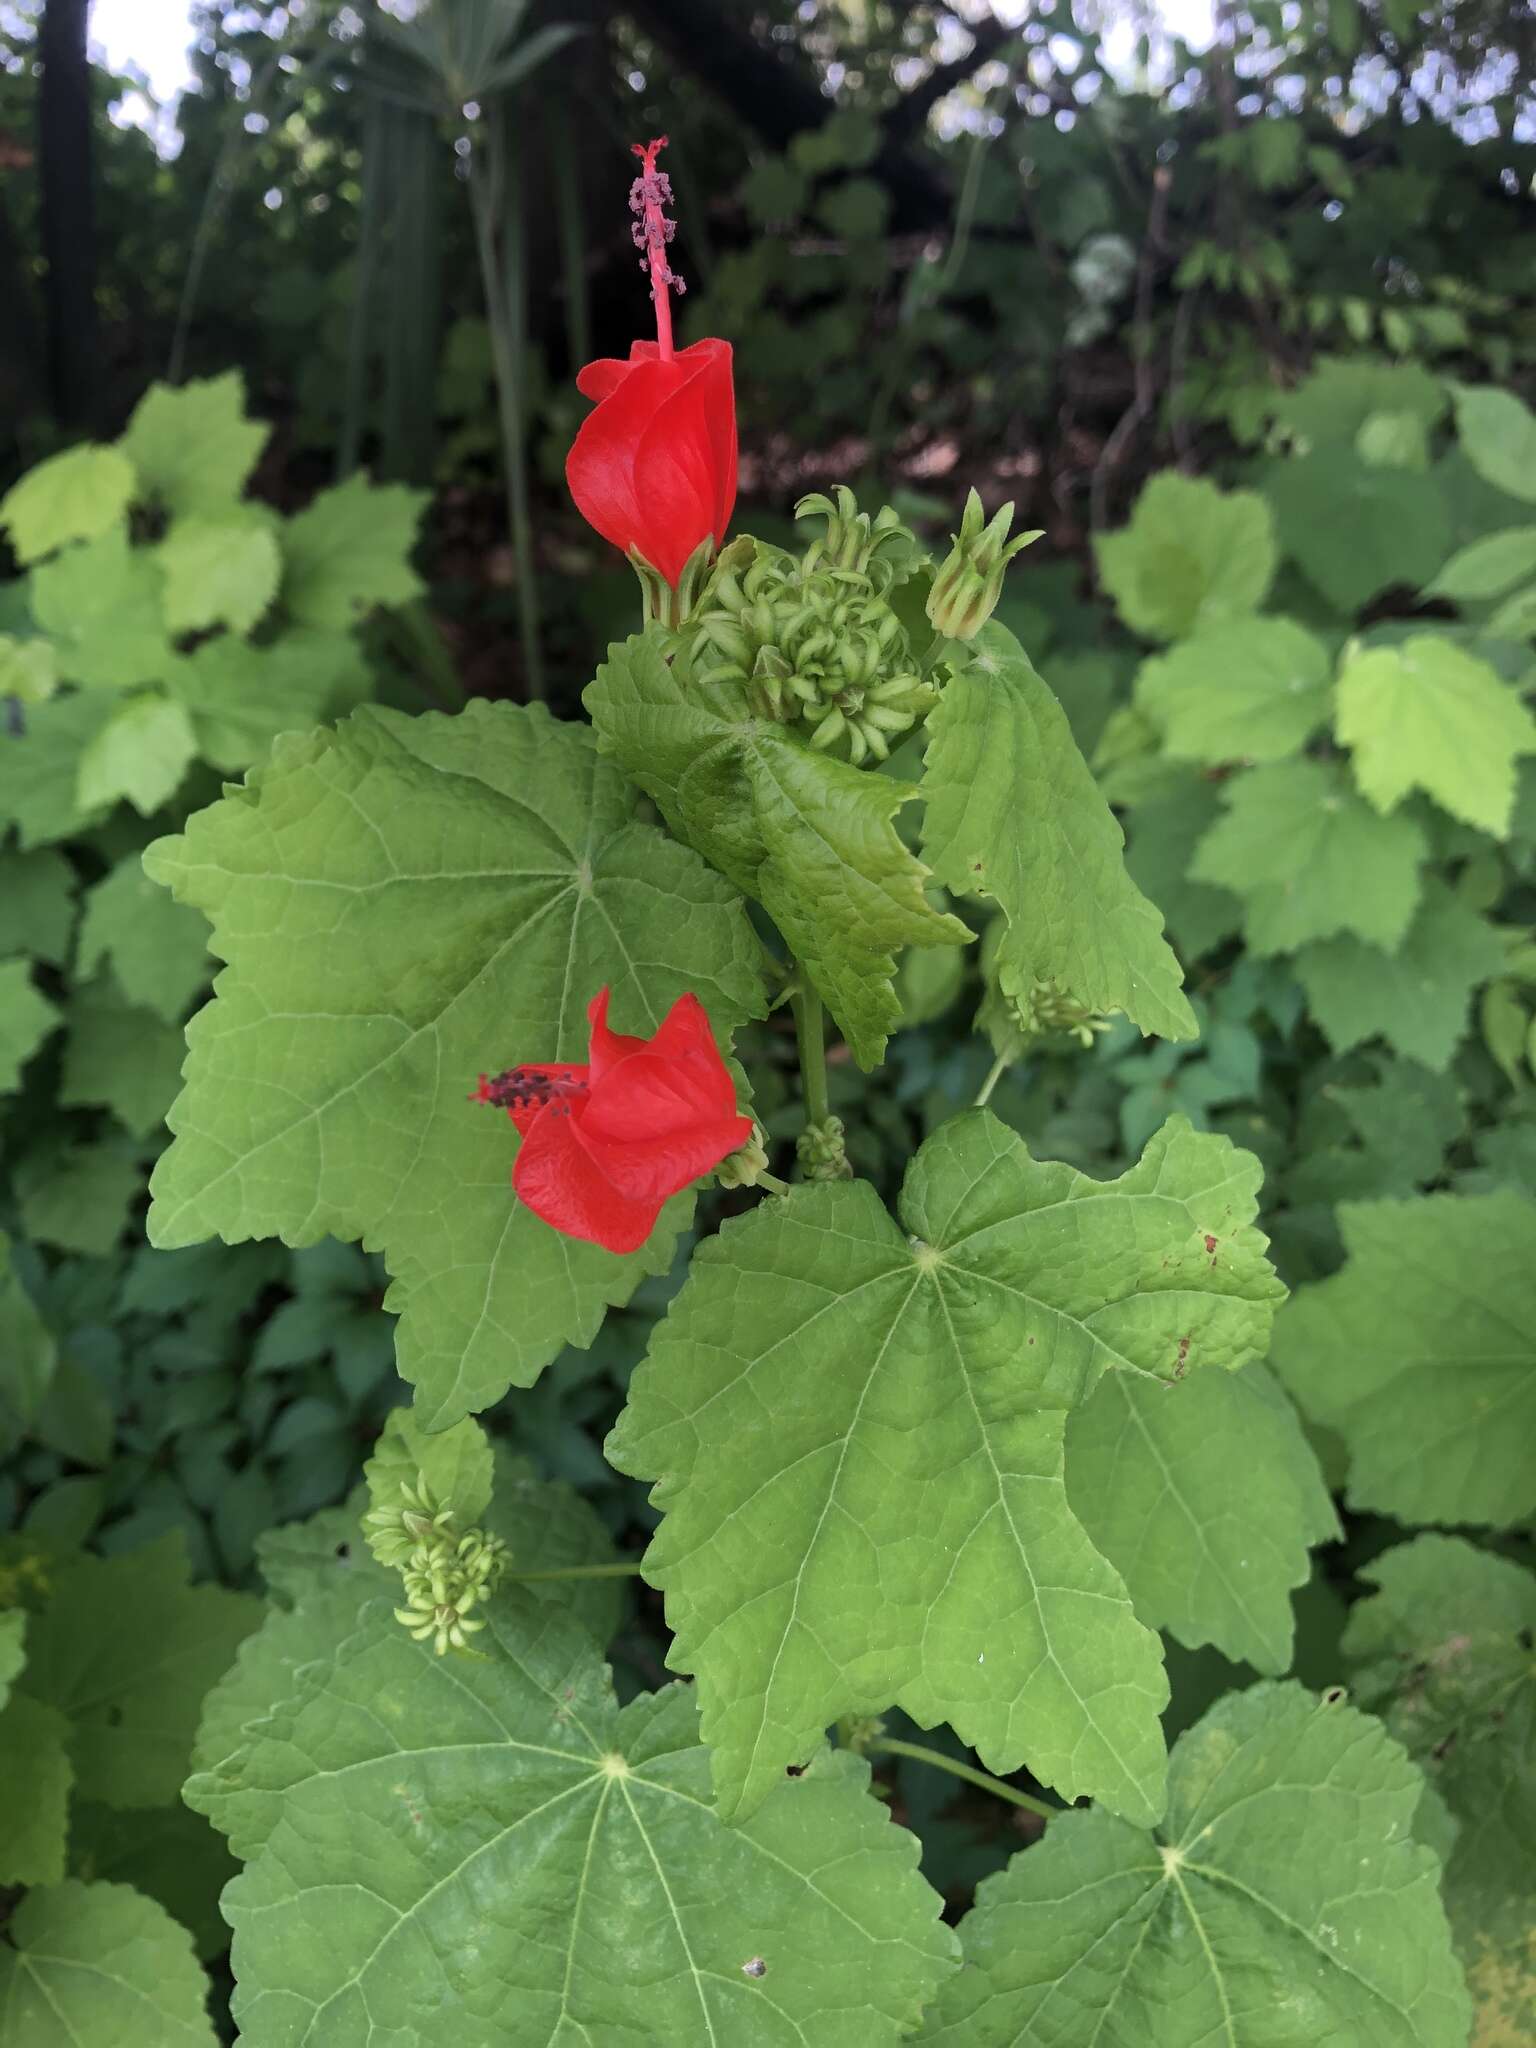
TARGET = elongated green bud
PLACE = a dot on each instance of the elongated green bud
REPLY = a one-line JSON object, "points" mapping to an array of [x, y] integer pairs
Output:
{"points": [[965, 591]]}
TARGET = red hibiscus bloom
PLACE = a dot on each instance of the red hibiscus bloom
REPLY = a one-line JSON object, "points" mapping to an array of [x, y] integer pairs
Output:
{"points": [[653, 468], [605, 1145]]}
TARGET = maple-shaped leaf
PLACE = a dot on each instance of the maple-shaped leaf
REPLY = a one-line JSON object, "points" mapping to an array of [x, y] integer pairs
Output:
{"points": [[77, 1195], [220, 571], [240, 697], [1283, 1900], [100, 1966], [1418, 997], [40, 768], [855, 1429], [73, 496], [1355, 529], [1428, 715], [1014, 815], [102, 605], [350, 551], [26, 1019], [1310, 858], [1255, 690], [1420, 1354], [405, 904], [156, 948], [192, 446], [1192, 556], [141, 752], [1442, 1651], [124, 1652], [1205, 1497], [526, 1864], [121, 1058], [37, 905], [809, 837]]}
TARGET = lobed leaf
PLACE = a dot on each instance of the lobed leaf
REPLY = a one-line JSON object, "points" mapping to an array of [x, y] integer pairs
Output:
{"points": [[100, 1966], [855, 1434], [192, 446], [73, 496], [1255, 690], [405, 903], [1192, 556]]}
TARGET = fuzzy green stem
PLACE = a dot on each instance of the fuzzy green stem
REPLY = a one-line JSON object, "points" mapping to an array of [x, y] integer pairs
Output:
{"points": [[626, 1570], [810, 1029], [996, 1072], [772, 1183], [888, 1745]]}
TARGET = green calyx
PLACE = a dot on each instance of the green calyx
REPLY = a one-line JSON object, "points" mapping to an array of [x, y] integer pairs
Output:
{"points": [[661, 604], [967, 587], [445, 1573], [813, 637], [744, 1167]]}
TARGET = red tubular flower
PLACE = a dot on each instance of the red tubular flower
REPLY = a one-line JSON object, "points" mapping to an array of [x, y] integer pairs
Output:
{"points": [[653, 468], [605, 1145]]}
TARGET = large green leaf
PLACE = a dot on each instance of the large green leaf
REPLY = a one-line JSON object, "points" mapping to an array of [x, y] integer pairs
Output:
{"points": [[125, 1651], [1426, 715], [1014, 815], [1442, 1651], [192, 445], [1421, 1354], [522, 1863], [1283, 1901], [405, 903], [1354, 529], [349, 551], [1205, 1497], [856, 1434], [73, 496], [99, 1966], [1253, 691], [1417, 998], [1192, 556], [1310, 858], [809, 837]]}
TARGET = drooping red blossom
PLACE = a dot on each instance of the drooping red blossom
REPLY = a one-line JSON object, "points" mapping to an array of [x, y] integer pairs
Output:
{"points": [[653, 467], [606, 1144]]}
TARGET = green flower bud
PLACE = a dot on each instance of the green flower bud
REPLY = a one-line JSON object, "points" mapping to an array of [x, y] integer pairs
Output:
{"points": [[965, 591], [822, 1152]]}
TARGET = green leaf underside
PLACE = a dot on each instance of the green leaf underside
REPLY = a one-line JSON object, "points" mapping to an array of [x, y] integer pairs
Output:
{"points": [[125, 1652], [1310, 858], [1282, 1901], [406, 903], [809, 837], [1014, 815], [1420, 1354], [856, 1437], [1442, 1652], [1418, 997], [1255, 691], [1205, 1497], [100, 1966], [1426, 715], [523, 1864], [1192, 556]]}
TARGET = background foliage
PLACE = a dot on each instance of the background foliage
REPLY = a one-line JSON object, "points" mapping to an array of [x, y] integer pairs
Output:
{"points": [[1249, 331]]}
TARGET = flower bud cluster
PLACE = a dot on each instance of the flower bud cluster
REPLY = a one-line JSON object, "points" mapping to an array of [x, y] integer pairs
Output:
{"points": [[445, 1574], [822, 1151], [1047, 1010], [813, 638]]}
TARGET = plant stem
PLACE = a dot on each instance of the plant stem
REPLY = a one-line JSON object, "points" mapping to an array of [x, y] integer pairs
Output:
{"points": [[772, 1183], [488, 194], [889, 1746], [810, 1030], [626, 1570], [998, 1068]]}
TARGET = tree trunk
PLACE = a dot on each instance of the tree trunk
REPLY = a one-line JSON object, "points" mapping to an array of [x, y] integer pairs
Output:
{"points": [[68, 211]]}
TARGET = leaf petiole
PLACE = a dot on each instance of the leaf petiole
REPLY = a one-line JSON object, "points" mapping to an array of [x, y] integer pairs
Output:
{"points": [[889, 1745]]}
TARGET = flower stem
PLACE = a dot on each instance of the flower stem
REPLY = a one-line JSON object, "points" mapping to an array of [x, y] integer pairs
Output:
{"points": [[625, 1570], [999, 1067], [810, 1029], [888, 1745], [772, 1183]]}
